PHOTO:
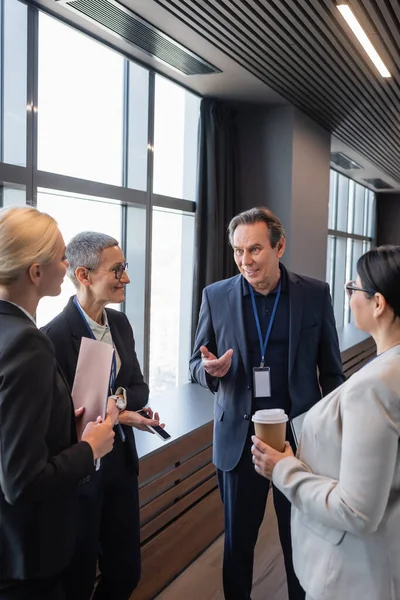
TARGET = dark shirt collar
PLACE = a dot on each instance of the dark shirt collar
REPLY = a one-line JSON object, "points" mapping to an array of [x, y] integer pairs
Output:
{"points": [[284, 284]]}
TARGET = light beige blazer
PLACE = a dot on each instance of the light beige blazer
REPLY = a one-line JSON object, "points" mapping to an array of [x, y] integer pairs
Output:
{"points": [[344, 487]]}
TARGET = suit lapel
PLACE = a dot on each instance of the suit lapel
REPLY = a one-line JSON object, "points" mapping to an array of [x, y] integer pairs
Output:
{"points": [[76, 323], [236, 313], [296, 299]]}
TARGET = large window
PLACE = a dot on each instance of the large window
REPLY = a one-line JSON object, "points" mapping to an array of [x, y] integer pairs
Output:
{"points": [[94, 215], [171, 298], [103, 144], [13, 78], [80, 107], [351, 231], [175, 140]]}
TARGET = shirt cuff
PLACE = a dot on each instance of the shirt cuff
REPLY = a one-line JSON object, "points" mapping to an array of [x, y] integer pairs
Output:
{"points": [[121, 392]]}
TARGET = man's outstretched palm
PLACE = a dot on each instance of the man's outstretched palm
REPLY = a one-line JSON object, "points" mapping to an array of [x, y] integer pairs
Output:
{"points": [[216, 367]]}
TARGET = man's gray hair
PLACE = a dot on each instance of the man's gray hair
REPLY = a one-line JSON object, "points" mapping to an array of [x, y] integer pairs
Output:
{"points": [[84, 250], [259, 214]]}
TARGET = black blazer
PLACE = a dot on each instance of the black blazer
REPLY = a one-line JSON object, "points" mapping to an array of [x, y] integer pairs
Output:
{"points": [[314, 357], [66, 331], [41, 465]]}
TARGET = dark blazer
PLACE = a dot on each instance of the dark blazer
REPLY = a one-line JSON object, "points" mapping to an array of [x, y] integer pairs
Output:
{"points": [[314, 357], [41, 465], [66, 331]]}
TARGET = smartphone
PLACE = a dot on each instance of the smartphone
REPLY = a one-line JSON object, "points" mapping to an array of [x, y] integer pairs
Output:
{"points": [[164, 435]]}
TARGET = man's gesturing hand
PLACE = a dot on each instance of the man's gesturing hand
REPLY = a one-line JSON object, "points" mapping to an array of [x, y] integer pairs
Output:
{"points": [[216, 367]]}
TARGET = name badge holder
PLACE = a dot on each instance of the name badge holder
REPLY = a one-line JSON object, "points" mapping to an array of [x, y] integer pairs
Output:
{"points": [[262, 374]]}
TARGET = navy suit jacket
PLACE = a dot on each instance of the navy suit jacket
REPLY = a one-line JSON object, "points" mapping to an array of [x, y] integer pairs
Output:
{"points": [[66, 331], [314, 366]]}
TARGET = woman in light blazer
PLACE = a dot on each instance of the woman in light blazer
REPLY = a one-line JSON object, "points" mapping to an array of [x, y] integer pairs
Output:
{"points": [[344, 484]]}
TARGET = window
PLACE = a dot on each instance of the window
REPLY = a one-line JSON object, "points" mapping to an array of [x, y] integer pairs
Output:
{"points": [[138, 106], [351, 231], [94, 215], [80, 105], [175, 140], [171, 298], [14, 81], [114, 151], [12, 195]]}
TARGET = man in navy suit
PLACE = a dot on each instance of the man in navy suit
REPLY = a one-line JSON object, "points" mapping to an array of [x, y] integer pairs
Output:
{"points": [[271, 318]]}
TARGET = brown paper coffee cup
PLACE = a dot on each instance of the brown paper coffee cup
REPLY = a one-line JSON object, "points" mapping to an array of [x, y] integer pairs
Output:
{"points": [[270, 427]]}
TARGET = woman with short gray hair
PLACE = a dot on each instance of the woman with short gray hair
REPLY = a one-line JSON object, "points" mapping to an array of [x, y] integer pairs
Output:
{"points": [[109, 518]]}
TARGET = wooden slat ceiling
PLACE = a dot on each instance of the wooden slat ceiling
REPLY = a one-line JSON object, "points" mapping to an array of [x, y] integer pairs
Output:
{"points": [[304, 50]]}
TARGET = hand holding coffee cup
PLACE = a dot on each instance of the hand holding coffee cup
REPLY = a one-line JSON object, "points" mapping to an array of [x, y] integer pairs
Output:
{"points": [[216, 367], [269, 445], [265, 458]]}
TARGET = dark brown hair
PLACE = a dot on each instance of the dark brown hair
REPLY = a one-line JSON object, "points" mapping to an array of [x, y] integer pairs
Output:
{"points": [[379, 270]]}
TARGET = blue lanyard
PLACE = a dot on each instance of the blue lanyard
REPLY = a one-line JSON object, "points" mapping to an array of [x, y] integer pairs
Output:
{"points": [[113, 376], [263, 346]]}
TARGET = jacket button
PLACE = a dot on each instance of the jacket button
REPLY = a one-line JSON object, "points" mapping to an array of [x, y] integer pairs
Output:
{"points": [[247, 387], [246, 417]]}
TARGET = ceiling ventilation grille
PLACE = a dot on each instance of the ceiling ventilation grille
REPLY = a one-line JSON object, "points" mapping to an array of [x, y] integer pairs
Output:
{"points": [[344, 162], [379, 184], [125, 24]]}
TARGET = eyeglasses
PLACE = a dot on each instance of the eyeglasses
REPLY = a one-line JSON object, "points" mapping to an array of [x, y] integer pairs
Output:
{"points": [[118, 270], [351, 287]]}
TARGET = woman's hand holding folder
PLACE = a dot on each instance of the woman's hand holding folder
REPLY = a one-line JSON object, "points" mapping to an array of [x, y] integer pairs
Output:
{"points": [[99, 435]]}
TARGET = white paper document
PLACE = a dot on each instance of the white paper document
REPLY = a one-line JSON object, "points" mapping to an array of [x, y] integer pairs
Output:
{"points": [[92, 381]]}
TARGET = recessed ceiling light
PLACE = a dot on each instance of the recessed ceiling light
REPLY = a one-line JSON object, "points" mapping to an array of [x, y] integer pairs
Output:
{"points": [[362, 37]]}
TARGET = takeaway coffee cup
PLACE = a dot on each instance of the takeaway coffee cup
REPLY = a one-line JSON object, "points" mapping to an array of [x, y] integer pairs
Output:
{"points": [[270, 427]]}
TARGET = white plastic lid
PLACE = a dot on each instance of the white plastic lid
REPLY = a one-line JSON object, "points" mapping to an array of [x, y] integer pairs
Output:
{"points": [[271, 415]]}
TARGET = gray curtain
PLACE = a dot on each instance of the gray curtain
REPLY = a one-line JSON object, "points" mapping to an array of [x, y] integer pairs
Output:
{"points": [[216, 198]]}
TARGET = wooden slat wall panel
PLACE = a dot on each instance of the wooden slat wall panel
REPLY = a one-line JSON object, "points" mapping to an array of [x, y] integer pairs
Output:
{"points": [[176, 547], [174, 453], [164, 501], [161, 484], [356, 357], [174, 511]]}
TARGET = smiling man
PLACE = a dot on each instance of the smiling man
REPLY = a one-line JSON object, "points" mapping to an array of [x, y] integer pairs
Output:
{"points": [[270, 318]]}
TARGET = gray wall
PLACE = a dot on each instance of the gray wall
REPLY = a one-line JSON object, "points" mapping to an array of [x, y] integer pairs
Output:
{"points": [[284, 164], [388, 212]]}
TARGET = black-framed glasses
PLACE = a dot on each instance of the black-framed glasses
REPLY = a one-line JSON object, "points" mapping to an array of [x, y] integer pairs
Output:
{"points": [[351, 287], [118, 270]]}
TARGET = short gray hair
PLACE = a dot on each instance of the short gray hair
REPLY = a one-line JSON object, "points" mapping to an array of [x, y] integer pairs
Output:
{"points": [[84, 250], [259, 214]]}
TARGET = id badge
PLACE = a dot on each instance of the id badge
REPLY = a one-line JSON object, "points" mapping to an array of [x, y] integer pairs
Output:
{"points": [[261, 382]]}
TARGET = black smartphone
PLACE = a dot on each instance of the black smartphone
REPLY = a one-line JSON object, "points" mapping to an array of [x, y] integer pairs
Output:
{"points": [[164, 435]]}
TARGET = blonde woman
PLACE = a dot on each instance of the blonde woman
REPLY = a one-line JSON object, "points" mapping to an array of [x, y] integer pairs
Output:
{"points": [[344, 485], [41, 464]]}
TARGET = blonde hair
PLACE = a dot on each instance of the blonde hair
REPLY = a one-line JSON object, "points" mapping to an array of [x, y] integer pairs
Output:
{"points": [[27, 236]]}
